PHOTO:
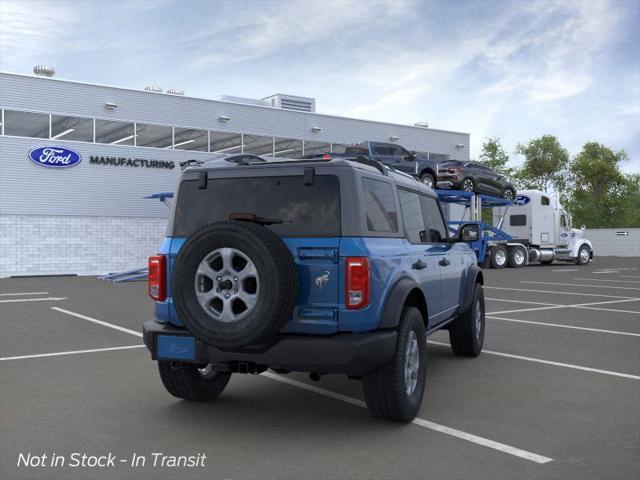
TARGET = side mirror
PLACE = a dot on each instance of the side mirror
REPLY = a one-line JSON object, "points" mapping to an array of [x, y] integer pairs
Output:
{"points": [[469, 233], [411, 156]]}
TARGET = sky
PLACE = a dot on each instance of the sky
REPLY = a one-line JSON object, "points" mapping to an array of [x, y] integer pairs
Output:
{"points": [[514, 69]]}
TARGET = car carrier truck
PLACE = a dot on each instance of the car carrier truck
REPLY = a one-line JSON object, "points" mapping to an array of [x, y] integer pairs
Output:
{"points": [[532, 228]]}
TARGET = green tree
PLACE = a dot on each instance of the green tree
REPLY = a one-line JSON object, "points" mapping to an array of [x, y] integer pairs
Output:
{"points": [[599, 194], [494, 156], [545, 164]]}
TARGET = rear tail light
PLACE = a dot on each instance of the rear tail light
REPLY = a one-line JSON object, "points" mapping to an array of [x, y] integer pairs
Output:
{"points": [[358, 280], [453, 170], [326, 156], [157, 278]]}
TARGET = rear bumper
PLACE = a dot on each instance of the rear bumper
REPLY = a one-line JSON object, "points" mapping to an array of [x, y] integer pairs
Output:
{"points": [[350, 353]]}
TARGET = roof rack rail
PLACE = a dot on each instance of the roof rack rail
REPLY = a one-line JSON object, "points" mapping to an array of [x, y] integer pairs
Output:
{"points": [[372, 163]]}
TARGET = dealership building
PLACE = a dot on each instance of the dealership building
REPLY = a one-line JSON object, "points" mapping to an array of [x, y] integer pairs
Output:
{"points": [[77, 160]]}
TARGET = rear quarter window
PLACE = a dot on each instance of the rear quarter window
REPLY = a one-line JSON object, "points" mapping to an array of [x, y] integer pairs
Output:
{"points": [[306, 210], [380, 206]]}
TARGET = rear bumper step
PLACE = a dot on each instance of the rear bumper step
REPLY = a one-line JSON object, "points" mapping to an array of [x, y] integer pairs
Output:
{"points": [[350, 353]]}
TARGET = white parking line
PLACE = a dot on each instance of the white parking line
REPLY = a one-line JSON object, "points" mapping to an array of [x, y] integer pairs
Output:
{"points": [[520, 301], [22, 293], [19, 300], [604, 280], [598, 330], [549, 362], [581, 285], [566, 270], [533, 457], [557, 292], [99, 322], [72, 352], [629, 276], [577, 305]]}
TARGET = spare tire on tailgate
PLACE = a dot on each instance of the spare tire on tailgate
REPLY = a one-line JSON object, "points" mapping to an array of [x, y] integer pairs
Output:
{"points": [[234, 284]]}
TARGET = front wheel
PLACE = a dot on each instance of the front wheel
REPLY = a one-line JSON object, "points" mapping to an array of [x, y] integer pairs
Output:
{"points": [[428, 180], [192, 382], [395, 390], [508, 194], [584, 255], [466, 333]]}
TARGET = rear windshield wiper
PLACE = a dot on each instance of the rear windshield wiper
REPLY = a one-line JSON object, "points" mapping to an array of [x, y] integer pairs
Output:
{"points": [[252, 217]]}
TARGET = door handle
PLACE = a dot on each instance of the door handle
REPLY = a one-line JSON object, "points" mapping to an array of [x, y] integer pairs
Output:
{"points": [[444, 262], [419, 265]]}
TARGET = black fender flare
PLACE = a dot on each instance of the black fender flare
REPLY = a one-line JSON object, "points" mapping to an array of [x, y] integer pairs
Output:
{"points": [[474, 275], [396, 301], [428, 170]]}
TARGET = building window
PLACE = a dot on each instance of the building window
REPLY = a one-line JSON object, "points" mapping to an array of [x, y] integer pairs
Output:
{"points": [[71, 128], [380, 206], [226, 142], [316, 149], [191, 139], [156, 136], [287, 148], [258, 145], [26, 124], [115, 133], [338, 148]]}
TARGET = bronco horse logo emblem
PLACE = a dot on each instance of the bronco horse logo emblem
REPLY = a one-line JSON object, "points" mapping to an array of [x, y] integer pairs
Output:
{"points": [[322, 280]]}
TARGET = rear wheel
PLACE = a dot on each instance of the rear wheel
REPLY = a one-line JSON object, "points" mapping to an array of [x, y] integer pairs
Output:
{"points": [[468, 185], [498, 256], [517, 257], [395, 390], [466, 333], [192, 382], [428, 180]]}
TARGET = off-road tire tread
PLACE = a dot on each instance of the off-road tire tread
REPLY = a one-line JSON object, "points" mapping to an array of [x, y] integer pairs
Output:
{"points": [[184, 381], [384, 388], [462, 335], [287, 279]]}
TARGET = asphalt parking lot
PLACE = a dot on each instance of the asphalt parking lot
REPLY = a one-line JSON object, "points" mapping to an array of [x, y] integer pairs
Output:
{"points": [[555, 394]]}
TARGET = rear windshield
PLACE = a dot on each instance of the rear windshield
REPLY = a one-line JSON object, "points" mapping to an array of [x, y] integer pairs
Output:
{"points": [[306, 210], [450, 163]]}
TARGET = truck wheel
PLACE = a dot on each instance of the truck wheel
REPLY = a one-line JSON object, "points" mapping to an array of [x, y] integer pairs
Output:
{"points": [[395, 390], [517, 257], [428, 180], [584, 255], [234, 284], [466, 333], [498, 256], [190, 382], [468, 185]]}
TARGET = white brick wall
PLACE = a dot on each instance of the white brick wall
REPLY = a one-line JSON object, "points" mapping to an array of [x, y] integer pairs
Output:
{"points": [[607, 242], [46, 245]]}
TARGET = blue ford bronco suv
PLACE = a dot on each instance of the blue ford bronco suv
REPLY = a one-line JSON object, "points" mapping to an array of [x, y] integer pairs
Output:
{"points": [[340, 266]]}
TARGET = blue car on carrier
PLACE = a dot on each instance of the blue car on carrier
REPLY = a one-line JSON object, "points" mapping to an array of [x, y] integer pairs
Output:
{"points": [[340, 266]]}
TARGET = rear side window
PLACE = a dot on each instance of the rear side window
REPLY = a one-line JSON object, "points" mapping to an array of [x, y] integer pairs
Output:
{"points": [[356, 151], [305, 210], [380, 206], [436, 230], [412, 216], [518, 220], [544, 201]]}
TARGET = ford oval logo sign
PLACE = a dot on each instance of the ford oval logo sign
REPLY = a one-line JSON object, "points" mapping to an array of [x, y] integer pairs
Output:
{"points": [[55, 157], [521, 200]]}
